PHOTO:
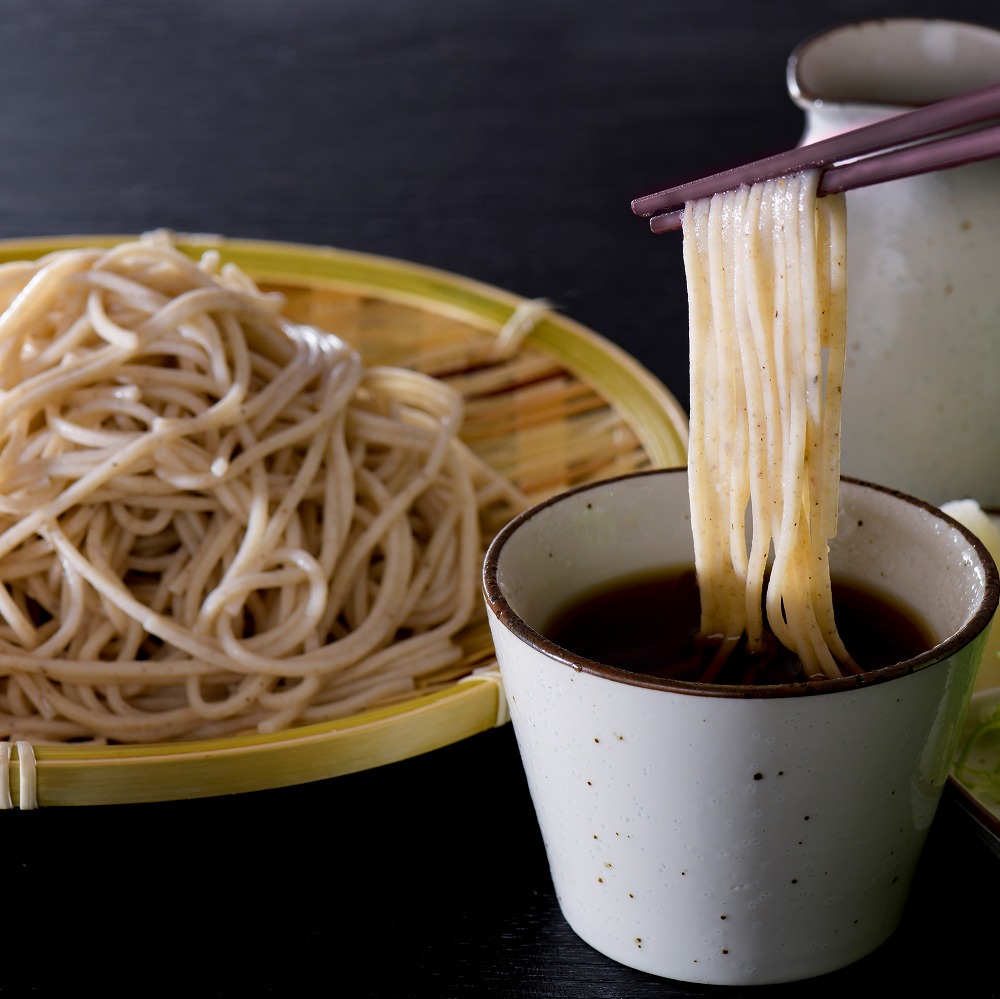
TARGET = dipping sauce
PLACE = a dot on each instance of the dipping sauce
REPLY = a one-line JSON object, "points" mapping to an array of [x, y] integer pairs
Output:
{"points": [[649, 624]]}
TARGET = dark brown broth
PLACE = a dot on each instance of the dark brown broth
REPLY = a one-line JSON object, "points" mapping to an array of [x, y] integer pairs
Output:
{"points": [[649, 624]]}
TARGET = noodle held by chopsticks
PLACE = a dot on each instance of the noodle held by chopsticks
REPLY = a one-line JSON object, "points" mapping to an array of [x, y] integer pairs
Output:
{"points": [[212, 520], [767, 292]]}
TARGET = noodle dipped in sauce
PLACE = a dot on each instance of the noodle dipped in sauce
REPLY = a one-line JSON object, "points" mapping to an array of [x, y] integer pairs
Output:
{"points": [[766, 273]]}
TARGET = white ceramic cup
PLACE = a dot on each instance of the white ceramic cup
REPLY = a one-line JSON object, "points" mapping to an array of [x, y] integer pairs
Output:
{"points": [[921, 391], [733, 835]]}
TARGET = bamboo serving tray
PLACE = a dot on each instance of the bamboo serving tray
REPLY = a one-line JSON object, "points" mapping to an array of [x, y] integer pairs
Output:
{"points": [[565, 407]]}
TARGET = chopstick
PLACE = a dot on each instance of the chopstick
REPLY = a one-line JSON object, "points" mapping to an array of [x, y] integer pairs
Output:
{"points": [[885, 150]]}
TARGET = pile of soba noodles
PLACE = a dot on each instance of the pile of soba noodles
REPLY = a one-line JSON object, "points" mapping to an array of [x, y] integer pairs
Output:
{"points": [[212, 520]]}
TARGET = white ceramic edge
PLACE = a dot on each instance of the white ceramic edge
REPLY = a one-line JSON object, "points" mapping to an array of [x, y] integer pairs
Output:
{"points": [[806, 98], [499, 607]]}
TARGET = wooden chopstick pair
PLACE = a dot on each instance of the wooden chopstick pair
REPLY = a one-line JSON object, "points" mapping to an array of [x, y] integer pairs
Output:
{"points": [[886, 150]]}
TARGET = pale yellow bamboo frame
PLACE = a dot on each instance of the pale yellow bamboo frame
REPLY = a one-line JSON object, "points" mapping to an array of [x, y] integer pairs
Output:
{"points": [[86, 775]]}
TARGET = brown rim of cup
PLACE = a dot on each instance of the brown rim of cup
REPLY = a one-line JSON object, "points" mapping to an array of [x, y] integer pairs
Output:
{"points": [[505, 614]]}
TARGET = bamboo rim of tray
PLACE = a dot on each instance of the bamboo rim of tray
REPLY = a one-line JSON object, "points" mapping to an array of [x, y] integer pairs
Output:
{"points": [[568, 406]]}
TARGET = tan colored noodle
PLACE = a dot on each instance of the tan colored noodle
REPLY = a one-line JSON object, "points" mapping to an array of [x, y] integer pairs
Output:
{"points": [[212, 520], [767, 292]]}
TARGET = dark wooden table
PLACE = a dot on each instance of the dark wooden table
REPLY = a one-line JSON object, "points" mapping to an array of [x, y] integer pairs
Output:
{"points": [[501, 139]]}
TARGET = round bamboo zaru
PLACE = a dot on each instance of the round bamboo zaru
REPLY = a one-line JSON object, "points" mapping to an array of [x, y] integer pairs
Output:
{"points": [[548, 403]]}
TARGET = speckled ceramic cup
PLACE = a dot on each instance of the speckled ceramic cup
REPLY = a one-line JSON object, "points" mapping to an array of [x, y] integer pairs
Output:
{"points": [[921, 405], [733, 835]]}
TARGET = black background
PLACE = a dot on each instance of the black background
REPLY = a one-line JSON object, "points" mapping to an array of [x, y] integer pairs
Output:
{"points": [[503, 140]]}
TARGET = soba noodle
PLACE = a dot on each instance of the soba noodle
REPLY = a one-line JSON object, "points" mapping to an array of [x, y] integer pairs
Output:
{"points": [[767, 291], [213, 520]]}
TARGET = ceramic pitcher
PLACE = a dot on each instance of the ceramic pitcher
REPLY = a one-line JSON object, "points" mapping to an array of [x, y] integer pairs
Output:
{"points": [[922, 386]]}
